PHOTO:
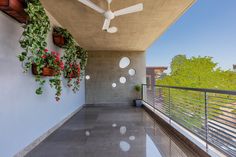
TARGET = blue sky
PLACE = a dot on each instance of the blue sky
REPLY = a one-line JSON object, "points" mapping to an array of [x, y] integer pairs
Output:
{"points": [[208, 28]]}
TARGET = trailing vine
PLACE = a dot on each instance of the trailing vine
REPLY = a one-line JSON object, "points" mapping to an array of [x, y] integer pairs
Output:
{"points": [[83, 56], [75, 59], [33, 41]]}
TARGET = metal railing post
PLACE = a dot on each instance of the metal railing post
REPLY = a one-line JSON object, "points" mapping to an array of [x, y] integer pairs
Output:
{"points": [[142, 91], [154, 96], [206, 119], [169, 95]]}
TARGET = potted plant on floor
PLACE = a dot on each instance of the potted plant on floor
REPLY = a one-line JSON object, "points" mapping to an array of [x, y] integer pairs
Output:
{"points": [[138, 101]]}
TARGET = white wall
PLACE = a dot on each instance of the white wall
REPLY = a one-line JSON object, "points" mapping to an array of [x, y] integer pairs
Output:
{"points": [[25, 116]]}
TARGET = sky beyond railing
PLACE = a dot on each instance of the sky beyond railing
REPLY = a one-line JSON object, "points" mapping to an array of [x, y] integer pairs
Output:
{"points": [[208, 28]]}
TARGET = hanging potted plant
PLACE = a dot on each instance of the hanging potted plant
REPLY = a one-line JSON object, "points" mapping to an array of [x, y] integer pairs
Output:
{"points": [[72, 74], [33, 41], [59, 36], [15, 9], [75, 66], [51, 65], [75, 59]]}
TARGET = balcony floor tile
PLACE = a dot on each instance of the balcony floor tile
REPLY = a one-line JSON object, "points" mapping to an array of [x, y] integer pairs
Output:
{"points": [[105, 140]]}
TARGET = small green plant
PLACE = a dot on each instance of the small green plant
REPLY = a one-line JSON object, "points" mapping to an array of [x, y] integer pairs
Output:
{"points": [[138, 90]]}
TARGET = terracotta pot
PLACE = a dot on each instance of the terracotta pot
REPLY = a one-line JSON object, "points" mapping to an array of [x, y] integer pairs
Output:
{"points": [[15, 9], [45, 71], [58, 40]]}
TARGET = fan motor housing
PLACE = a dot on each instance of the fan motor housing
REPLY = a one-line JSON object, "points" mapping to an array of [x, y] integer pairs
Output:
{"points": [[109, 15]]}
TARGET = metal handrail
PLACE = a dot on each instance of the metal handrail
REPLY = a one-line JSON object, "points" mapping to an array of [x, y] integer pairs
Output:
{"points": [[173, 106], [231, 92]]}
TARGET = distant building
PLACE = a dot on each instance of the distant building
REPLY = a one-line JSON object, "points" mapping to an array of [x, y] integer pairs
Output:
{"points": [[234, 67], [154, 73]]}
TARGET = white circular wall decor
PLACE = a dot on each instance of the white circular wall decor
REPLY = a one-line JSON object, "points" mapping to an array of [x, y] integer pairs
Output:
{"points": [[87, 77], [132, 72], [122, 80], [124, 62], [113, 85]]}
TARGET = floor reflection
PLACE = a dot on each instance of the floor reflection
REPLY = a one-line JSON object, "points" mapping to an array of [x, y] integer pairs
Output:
{"points": [[151, 149], [110, 132], [124, 146]]}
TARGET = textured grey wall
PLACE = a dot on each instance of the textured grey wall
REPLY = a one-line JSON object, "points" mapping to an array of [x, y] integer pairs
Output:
{"points": [[24, 116], [103, 68]]}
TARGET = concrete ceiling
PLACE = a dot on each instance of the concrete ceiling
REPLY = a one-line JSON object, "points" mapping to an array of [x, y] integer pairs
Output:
{"points": [[136, 32]]}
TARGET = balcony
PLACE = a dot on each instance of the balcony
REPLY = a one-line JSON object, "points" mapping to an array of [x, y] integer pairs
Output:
{"points": [[205, 116], [100, 119]]}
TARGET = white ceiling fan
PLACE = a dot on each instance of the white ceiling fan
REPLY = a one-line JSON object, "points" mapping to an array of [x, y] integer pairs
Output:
{"points": [[109, 15]]}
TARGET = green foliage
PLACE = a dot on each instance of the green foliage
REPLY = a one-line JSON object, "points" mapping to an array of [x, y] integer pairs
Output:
{"points": [[137, 88], [56, 83], [177, 62], [52, 60], [33, 41], [83, 56], [197, 72], [74, 57]]}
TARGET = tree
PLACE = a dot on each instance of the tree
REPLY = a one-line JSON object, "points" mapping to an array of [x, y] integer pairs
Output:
{"points": [[197, 72], [177, 61]]}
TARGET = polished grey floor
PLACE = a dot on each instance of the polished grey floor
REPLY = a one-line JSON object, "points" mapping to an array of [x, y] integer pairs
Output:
{"points": [[108, 131]]}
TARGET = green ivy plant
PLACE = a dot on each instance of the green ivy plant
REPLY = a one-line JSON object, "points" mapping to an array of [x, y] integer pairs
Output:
{"points": [[33, 41], [53, 61], [75, 59], [83, 56]]}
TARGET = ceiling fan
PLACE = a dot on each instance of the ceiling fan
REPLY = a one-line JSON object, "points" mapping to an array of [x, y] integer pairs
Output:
{"points": [[109, 15]]}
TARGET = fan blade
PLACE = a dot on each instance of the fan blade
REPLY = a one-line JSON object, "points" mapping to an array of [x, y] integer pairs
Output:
{"points": [[92, 5], [106, 24], [132, 9]]}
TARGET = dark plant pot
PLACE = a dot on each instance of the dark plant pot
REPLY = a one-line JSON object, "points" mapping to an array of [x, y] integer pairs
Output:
{"points": [[138, 102], [45, 71], [15, 9], [58, 40]]}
